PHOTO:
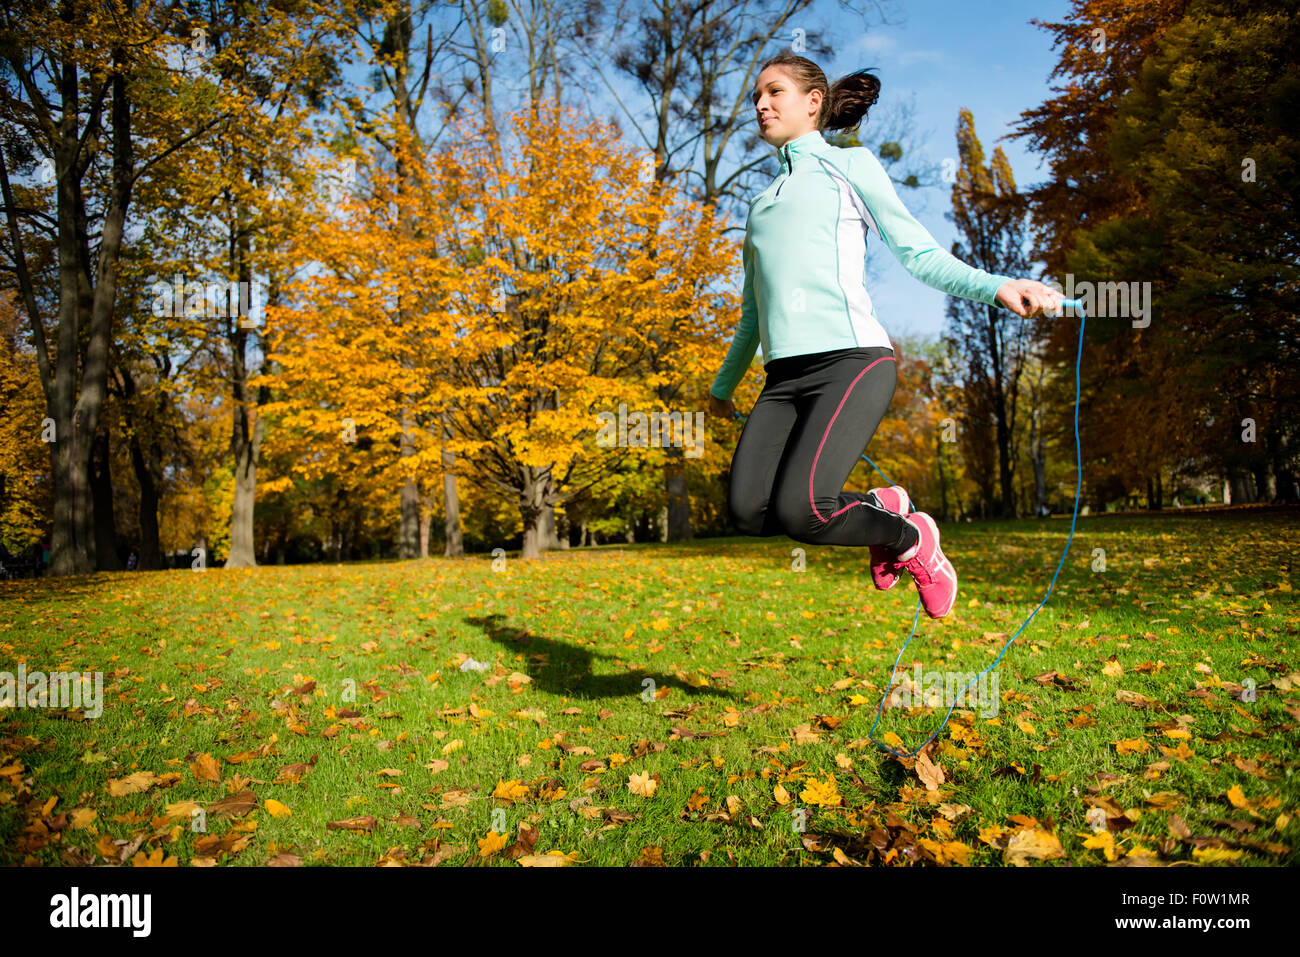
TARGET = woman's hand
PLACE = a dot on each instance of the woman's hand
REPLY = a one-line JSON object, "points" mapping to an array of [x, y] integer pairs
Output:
{"points": [[1040, 298], [723, 408]]}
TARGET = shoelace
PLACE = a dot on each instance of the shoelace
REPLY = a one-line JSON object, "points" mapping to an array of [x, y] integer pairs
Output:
{"points": [[918, 570]]}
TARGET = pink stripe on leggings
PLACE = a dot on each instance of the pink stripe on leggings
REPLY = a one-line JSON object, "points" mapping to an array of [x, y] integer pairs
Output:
{"points": [[813, 471]]}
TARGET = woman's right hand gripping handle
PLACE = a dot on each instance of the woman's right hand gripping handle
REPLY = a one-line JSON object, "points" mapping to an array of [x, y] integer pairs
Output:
{"points": [[723, 408]]}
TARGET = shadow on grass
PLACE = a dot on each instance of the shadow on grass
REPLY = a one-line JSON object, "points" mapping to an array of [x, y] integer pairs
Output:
{"points": [[566, 670]]}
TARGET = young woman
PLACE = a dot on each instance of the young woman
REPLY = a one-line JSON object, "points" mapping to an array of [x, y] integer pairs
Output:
{"points": [[830, 367]]}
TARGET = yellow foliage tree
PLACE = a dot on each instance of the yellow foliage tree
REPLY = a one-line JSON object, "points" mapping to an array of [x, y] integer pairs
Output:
{"points": [[517, 300]]}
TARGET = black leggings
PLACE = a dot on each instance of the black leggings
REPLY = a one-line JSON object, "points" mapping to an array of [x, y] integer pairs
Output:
{"points": [[814, 417]]}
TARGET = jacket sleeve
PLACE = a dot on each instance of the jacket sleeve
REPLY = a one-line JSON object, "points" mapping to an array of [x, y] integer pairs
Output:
{"points": [[745, 342], [909, 241]]}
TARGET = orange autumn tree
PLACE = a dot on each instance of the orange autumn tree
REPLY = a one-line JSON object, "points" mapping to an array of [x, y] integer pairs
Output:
{"points": [[515, 302], [349, 346]]}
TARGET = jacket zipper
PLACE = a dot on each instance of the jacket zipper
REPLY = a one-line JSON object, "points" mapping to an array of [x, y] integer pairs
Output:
{"points": [[789, 167]]}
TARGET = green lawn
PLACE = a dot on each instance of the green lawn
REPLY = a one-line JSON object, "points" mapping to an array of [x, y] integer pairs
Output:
{"points": [[318, 714]]}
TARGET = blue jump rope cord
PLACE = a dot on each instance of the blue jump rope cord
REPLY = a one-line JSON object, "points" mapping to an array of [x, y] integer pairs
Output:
{"points": [[1078, 485]]}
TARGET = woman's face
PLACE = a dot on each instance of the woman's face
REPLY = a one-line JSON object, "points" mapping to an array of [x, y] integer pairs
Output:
{"points": [[783, 111]]}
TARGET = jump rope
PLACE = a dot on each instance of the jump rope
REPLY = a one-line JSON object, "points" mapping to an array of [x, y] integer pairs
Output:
{"points": [[1078, 485]]}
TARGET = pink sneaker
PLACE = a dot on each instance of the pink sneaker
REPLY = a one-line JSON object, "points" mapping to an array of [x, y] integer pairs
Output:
{"points": [[935, 578], [884, 567]]}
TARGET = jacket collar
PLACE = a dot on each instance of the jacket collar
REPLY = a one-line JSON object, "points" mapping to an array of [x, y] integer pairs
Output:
{"points": [[791, 150]]}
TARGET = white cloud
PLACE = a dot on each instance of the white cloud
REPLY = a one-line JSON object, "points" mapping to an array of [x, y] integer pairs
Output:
{"points": [[886, 46]]}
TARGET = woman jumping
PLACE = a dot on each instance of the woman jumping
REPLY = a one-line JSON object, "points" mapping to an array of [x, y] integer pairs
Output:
{"points": [[830, 367]]}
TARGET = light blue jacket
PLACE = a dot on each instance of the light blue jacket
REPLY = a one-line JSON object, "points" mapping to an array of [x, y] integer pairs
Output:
{"points": [[805, 257]]}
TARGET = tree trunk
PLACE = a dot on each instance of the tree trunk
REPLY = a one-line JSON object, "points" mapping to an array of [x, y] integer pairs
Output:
{"points": [[530, 510], [1265, 481], [150, 554], [1285, 490], [1006, 503], [549, 538], [409, 543], [101, 485], [450, 497], [679, 501], [409, 537], [76, 411], [1239, 488], [247, 428], [426, 520], [247, 445]]}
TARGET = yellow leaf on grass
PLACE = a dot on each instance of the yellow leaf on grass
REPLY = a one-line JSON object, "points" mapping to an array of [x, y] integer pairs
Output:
{"points": [[642, 784], [153, 859], [781, 795], [1214, 855], [549, 859], [181, 809], [206, 768], [1131, 746], [131, 784], [1103, 841], [822, 793], [512, 790], [276, 809], [1112, 669], [487, 846], [82, 817], [1031, 844]]}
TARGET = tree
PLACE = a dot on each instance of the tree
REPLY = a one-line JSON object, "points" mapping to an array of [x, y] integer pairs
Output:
{"points": [[538, 309], [989, 216]]}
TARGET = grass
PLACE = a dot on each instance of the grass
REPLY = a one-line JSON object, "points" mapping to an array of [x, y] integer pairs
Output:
{"points": [[763, 683]]}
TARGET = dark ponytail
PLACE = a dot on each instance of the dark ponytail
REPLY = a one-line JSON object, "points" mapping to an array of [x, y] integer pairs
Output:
{"points": [[850, 99], [845, 104]]}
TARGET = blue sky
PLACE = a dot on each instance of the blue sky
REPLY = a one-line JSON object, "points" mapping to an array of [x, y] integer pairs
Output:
{"points": [[940, 56]]}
